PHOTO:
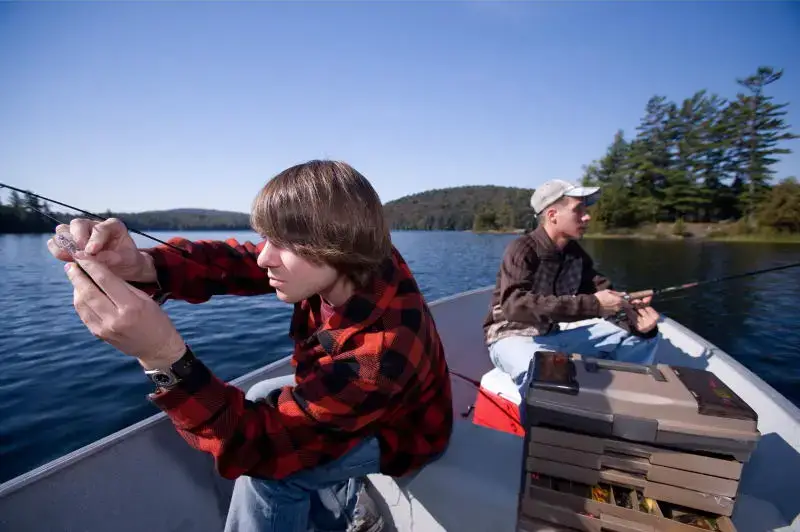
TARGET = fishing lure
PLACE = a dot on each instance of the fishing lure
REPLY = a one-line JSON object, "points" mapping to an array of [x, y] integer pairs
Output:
{"points": [[67, 243]]}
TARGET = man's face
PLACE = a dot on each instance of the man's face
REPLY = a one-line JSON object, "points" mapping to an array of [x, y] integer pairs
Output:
{"points": [[293, 277], [570, 217]]}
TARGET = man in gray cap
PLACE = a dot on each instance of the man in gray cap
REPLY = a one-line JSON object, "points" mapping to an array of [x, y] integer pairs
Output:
{"points": [[546, 280]]}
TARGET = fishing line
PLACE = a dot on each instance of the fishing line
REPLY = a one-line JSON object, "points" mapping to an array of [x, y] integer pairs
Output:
{"points": [[87, 213]]}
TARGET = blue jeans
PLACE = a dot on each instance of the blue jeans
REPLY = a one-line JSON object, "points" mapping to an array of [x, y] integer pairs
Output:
{"points": [[513, 354], [323, 498]]}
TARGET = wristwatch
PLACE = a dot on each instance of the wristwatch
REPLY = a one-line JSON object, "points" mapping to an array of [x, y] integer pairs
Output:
{"points": [[167, 378]]}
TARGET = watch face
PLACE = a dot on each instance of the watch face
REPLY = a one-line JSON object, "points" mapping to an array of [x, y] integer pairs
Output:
{"points": [[163, 379]]}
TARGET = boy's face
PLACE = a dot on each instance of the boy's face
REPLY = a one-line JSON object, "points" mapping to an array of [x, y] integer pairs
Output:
{"points": [[293, 277]]}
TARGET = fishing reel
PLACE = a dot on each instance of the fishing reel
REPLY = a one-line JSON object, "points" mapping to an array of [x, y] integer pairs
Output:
{"points": [[620, 314]]}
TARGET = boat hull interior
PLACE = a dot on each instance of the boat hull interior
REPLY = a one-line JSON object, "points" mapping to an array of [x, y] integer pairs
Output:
{"points": [[146, 477]]}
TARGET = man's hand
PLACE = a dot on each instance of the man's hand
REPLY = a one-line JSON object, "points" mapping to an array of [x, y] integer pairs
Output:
{"points": [[107, 242], [641, 316], [640, 303], [124, 316], [611, 302]]}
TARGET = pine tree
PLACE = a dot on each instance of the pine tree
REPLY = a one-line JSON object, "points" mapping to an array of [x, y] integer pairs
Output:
{"points": [[650, 159], [17, 202], [761, 127], [612, 174]]}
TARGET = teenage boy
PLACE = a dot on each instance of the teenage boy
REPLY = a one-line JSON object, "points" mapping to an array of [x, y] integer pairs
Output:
{"points": [[371, 390]]}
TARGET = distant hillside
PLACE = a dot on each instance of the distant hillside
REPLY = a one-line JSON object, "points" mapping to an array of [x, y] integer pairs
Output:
{"points": [[183, 219], [482, 208]]}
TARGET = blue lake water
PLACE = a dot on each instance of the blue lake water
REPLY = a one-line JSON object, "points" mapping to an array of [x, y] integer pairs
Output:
{"points": [[61, 388]]}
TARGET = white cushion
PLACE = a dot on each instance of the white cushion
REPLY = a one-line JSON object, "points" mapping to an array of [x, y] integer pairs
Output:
{"points": [[499, 383]]}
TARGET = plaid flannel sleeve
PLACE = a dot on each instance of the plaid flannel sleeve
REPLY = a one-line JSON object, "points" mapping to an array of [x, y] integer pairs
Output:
{"points": [[299, 429], [205, 269]]}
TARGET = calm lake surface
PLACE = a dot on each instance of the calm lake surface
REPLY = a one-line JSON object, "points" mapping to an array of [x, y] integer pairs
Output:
{"points": [[61, 388]]}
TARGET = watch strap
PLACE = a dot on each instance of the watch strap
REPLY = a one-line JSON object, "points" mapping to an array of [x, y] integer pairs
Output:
{"points": [[180, 370], [183, 366]]}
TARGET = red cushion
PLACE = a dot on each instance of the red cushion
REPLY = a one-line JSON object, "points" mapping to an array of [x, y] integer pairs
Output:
{"points": [[495, 412]]}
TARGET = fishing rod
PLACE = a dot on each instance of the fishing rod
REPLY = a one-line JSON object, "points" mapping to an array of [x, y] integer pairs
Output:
{"points": [[183, 252], [87, 213], [632, 295], [645, 293]]}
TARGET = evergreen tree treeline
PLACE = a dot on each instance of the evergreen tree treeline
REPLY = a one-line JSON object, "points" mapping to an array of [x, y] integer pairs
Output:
{"points": [[705, 159]]}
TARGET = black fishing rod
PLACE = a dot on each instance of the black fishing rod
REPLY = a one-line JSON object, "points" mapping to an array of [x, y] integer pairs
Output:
{"points": [[676, 288], [87, 213], [98, 217]]}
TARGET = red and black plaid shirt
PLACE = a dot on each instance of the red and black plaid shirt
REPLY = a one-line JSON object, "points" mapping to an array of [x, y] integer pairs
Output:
{"points": [[375, 367]]}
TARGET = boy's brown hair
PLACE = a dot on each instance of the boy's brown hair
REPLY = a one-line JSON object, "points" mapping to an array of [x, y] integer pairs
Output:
{"points": [[326, 212]]}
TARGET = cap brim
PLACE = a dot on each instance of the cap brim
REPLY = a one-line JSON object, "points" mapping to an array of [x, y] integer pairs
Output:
{"points": [[589, 194]]}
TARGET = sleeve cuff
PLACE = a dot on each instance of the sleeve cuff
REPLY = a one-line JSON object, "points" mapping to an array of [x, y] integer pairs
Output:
{"points": [[195, 400], [594, 305], [156, 289]]}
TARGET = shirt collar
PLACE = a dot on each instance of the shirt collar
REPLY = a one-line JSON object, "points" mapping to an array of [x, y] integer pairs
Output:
{"points": [[367, 304]]}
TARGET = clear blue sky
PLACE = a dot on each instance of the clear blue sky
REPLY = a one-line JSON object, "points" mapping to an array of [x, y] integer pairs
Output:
{"points": [[157, 105]]}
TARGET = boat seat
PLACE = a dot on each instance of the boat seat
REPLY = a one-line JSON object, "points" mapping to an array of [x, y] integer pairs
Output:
{"points": [[500, 383], [473, 486]]}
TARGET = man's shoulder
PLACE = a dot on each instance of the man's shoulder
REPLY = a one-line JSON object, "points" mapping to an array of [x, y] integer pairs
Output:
{"points": [[524, 246]]}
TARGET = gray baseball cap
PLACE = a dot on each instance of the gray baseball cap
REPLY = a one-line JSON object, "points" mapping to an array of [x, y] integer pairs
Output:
{"points": [[555, 189]]}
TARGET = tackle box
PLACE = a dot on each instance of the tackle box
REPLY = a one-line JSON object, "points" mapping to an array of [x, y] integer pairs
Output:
{"points": [[698, 481], [673, 437], [667, 406], [549, 503]]}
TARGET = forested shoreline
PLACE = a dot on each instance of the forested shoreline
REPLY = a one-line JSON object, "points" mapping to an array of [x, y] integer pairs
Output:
{"points": [[706, 159], [705, 162], [700, 167]]}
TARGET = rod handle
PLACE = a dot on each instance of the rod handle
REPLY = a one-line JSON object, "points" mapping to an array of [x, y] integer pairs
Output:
{"points": [[640, 294]]}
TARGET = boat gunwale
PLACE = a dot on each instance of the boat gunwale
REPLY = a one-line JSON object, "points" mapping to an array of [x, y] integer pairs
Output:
{"points": [[47, 469], [57, 464], [760, 384]]}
